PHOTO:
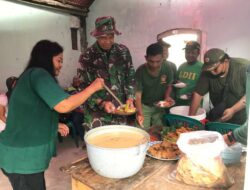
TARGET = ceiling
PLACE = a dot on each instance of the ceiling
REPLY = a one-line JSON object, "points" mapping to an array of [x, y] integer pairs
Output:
{"points": [[77, 3], [76, 7]]}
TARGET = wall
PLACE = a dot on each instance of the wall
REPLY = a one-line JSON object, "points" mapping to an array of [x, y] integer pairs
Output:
{"points": [[21, 27], [224, 22]]}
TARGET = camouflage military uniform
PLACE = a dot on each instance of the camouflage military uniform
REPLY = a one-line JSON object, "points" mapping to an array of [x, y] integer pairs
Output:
{"points": [[116, 68]]}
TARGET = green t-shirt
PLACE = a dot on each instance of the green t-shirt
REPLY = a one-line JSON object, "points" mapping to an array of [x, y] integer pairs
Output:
{"points": [[241, 133], [174, 72], [237, 87], [188, 74], [153, 88], [28, 142]]}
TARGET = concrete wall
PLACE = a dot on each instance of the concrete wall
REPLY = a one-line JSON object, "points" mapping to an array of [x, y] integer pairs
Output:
{"points": [[21, 27], [225, 22]]}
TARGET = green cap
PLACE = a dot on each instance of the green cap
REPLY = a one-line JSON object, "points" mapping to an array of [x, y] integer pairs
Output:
{"points": [[212, 57], [192, 45]]}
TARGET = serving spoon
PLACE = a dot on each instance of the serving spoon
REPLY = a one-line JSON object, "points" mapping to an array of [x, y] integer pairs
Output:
{"points": [[112, 94], [110, 91]]}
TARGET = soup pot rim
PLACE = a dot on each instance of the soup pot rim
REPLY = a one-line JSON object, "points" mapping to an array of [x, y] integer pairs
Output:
{"points": [[146, 136]]}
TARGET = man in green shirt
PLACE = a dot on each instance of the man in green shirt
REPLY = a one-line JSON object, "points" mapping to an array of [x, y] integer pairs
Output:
{"points": [[188, 73], [240, 134], [225, 80], [152, 81], [166, 46]]}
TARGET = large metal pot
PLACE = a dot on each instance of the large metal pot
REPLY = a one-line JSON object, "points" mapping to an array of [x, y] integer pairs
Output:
{"points": [[116, 162]]}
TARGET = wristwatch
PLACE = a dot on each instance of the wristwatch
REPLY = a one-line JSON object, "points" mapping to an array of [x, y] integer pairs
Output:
{"points": [[231, 137]]}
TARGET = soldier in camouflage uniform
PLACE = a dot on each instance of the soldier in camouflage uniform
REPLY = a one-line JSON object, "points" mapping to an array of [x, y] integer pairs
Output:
{"points": [[113, 63]]}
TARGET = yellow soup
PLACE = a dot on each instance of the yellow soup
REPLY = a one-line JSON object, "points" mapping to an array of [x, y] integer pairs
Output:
{"points": [[117, 139]]}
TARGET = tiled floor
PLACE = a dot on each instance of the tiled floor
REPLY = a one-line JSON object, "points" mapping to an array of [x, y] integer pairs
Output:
{"points": [[55, 179]]}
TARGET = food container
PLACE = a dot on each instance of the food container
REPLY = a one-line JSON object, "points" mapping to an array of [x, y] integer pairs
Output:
{"points": [[232, 154], [117, 162], [184, 110]]}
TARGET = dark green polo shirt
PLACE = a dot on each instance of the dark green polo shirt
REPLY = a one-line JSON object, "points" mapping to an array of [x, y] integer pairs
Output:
{"points": [[237, 87], [153, 88], [28, 142]]}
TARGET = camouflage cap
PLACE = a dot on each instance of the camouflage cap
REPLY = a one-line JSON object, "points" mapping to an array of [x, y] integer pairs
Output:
{"points": [[212, 57], [192, 45], [104, 25]]}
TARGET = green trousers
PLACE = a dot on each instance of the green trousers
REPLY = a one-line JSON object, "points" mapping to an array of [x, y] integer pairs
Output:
{"points": [[153, 116]]}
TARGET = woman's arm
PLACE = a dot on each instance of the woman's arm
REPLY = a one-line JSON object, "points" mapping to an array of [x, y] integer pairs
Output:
{"points": [[76, 100]]}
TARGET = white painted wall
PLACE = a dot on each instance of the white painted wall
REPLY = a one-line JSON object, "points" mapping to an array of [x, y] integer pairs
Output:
{"points": [[21, 27], [225, 22]]}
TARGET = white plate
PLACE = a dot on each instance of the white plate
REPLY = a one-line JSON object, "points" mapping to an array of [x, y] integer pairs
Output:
{"points": [[180, 85], [158, 142], [184, 97], [160, 104]]}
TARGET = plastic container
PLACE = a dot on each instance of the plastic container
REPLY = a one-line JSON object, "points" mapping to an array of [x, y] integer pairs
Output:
{"points": [[177, 120], [222, 128], [232, 154], [184, 110]]}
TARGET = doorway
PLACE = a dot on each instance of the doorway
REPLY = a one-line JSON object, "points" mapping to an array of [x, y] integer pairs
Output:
{"points": [[178, 38]]}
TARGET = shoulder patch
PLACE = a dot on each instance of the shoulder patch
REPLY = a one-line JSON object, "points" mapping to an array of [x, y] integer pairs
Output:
{"points": [[163, 79]]}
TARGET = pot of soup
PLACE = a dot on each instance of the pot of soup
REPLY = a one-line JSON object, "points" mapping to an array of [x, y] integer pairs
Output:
{"points": [[116, 151]]}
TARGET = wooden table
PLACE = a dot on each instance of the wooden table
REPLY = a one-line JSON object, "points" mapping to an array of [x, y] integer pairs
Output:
{"points": [[154, 175]]}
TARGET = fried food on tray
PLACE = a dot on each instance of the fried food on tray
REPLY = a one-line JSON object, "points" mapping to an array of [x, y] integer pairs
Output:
{"points": [[174, 135], [164, 150]]}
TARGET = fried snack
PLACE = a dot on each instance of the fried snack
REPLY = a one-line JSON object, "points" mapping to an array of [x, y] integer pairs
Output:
{"points": [[173, 136], [164, 150], [168, 103], [165, 104]]}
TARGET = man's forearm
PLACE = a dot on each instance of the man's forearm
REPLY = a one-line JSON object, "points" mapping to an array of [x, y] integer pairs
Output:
{"points": [[138, 103], [196, 99], [168, 91], [241, 104]]}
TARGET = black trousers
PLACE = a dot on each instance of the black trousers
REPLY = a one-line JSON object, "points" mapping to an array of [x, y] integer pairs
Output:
{"points": [[34, 181]]}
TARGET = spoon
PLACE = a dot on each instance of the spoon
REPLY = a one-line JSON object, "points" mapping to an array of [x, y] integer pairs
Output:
{"points": [[110, 91], [112, 94]]}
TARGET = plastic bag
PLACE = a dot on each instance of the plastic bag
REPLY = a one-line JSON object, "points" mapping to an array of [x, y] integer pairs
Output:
{"points": [[202, 164]]}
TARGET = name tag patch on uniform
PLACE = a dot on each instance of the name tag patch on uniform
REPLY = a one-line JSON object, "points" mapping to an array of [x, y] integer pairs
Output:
{"points": [[163, 79]]}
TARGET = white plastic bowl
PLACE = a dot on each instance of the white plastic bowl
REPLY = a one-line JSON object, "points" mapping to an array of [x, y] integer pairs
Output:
{"points": [[184, 110], [116, 162], [232, 154]]}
